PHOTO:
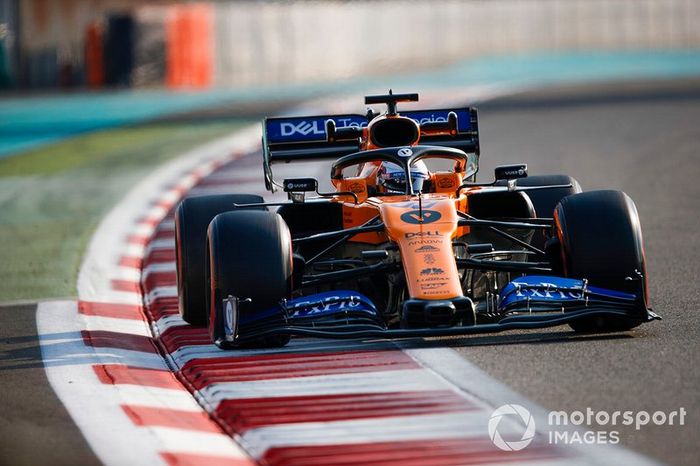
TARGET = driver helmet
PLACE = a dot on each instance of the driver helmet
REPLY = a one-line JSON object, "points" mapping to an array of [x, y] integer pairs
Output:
{"points": [[391, 178]]}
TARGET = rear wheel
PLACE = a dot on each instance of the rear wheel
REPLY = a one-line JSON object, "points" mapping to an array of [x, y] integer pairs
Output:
{"points": [[545, 200], [192, 218], [601, 240], [249, 257]]}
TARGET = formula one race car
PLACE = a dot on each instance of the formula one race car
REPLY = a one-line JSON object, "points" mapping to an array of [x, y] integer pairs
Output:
{"points": [[409, 244]]}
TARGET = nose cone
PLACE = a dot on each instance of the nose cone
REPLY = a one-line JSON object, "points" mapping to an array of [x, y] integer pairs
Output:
{"points": [[424, 237]]}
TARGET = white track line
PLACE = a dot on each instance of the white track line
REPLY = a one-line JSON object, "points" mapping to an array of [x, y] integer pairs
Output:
{"points": [[94, 407], [158, 268], [161, 292], [123, 326], [167, 322], [155, 397], [405, 428], [67, 348], [339, 384], [188, 441]]}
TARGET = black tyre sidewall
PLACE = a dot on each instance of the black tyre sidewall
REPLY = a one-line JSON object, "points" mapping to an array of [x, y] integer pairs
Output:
{"points": [[250, 257], [192, 218], [601, 241]]}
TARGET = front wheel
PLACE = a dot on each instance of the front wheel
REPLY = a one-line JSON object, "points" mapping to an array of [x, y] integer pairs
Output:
{"points": [[600, 239], [248, 258]]}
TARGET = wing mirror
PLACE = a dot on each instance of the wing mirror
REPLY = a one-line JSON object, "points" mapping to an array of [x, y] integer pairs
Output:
{"points": [[300, 185], [296, 188]]}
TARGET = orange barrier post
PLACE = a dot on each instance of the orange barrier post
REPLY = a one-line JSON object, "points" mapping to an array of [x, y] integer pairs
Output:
{"points": [[94, 56], [189, 43]]}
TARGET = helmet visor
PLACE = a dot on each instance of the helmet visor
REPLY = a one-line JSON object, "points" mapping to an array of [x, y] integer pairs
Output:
{"points": [[395, 180]]}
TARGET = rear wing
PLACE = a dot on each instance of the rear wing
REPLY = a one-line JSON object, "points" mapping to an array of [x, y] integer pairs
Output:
{"points": [[289, 139]]}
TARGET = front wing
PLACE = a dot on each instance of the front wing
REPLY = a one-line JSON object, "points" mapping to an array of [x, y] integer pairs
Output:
{"points": [[529, 302]]}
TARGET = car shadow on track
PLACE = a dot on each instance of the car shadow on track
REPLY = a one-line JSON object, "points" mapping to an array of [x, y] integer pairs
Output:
{"points": [[530, 338], [20, 352], [21, 358], [19, 343]]}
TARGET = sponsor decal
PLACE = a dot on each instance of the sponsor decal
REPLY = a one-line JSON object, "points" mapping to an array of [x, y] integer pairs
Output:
{"points": [[440, 116], [430, 119], [432, 286], [511, 171], [431, 275], [520, 172], [310, 128], [303, 127], [446, 183], [426, 248], [425, 241], [429, 259], [300, 185], [422, 234], [414, 216], [357, 187], [314, 128], [549, 291], [327, 304], [432, 271], [405, 152], [349, 123]]}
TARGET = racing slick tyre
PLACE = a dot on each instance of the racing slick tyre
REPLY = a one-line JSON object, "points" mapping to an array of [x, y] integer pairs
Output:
{"points": [[601, 240], [192, 218], [545, 200], [249, 257]]}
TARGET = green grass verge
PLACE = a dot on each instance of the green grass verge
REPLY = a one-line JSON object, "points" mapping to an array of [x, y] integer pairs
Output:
{"points": [[52, 199]]}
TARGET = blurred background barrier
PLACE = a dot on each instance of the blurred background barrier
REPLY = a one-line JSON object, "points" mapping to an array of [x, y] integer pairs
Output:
{"points": [[95, 43]]}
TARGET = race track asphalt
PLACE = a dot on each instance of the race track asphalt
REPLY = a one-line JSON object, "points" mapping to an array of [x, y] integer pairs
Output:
{"points": [[35, 428], [643, 138]]}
